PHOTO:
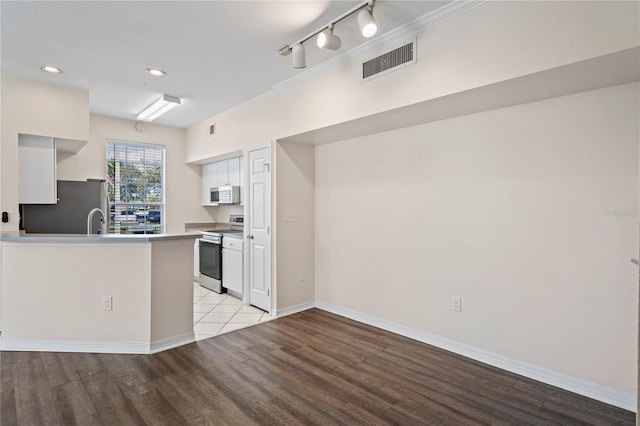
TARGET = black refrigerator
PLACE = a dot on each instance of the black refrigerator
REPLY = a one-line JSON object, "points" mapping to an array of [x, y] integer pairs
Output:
{"points": [[69, 216]]}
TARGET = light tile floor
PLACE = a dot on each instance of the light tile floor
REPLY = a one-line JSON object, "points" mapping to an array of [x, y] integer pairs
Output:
{"points": [[215, 314]]}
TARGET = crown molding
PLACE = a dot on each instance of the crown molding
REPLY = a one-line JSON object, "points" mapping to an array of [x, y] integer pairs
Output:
{"points": [[439, 15]]}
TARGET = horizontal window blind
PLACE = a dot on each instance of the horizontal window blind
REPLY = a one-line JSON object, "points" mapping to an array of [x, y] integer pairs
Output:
{"points": [[135, 184]]}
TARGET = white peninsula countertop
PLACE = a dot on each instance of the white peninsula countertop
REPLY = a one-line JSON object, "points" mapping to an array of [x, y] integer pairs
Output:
{"points": [[97, 293], [94, 238]]}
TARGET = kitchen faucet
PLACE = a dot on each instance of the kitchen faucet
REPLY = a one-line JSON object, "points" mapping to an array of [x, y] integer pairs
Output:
{"points": [[90, 216]]}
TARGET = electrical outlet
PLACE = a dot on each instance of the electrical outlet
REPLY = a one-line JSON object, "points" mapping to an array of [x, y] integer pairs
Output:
{"points": [[107, 303], [456, 303], [290, 216]]}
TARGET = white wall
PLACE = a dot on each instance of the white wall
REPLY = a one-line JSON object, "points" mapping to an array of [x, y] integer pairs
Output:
{"points": [[58, 306], [515, 211], [171, 293], [36, 108], [549, 237], [496, 41], [183, 181], [294, 183], [221, 213], [55, 303]]}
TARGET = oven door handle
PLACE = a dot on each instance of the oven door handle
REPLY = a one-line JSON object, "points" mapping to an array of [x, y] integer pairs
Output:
{"points": [[204, 240]]}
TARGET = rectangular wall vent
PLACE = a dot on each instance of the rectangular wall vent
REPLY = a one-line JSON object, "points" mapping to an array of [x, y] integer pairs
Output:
{"points": [[391, 61]]}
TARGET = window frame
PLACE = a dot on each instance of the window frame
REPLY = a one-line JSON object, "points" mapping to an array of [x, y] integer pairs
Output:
{"points": [[125, 206]]}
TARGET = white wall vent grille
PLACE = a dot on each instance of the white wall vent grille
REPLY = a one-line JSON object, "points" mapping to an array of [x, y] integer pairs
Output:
{"points": [[393, 60]]}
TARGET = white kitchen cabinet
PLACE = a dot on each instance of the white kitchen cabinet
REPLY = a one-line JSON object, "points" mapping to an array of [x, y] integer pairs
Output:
{"points": [[234, 171], [37, 170], [209, 180], [221, 173], [241, 178], [232, 264]]}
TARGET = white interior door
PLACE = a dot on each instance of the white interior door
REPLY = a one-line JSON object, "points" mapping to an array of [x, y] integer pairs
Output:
{"points": [[259, 228]]}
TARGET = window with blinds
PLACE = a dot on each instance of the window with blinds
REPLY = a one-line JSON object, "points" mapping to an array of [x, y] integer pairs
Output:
{"points": [[135, 184]]}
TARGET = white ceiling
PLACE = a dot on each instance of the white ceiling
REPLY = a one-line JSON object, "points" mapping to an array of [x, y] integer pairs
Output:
{"points": [[217, 54]]}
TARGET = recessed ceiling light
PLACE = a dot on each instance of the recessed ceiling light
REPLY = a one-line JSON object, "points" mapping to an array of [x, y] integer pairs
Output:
{"points": [[50, 69], [155, 72]]}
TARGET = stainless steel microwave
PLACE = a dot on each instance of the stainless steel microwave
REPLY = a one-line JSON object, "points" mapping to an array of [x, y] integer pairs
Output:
{"points": [[225, 195]]}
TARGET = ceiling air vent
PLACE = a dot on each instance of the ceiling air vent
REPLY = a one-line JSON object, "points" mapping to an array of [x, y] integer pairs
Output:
{"points": [[393, 60]]}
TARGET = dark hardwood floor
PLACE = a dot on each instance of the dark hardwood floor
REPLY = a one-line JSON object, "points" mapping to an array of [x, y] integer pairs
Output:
{"points": [[309, 368]]}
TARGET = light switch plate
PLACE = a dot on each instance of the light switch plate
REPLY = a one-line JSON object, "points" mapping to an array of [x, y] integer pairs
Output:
{"points": [[290, 216], [456, 303], [107, 303]]}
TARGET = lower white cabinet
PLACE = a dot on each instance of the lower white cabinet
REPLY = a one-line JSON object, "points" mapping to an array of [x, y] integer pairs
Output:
{"points": [[232, 264]]}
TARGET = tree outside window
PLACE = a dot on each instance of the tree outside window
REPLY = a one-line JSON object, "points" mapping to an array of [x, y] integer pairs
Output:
{"points": [[135, 185]]}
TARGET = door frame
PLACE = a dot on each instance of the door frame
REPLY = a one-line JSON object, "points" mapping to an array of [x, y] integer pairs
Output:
{"points": [[247, 225]]}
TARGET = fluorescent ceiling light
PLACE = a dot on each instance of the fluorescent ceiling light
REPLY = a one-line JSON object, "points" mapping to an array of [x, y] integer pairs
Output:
{"points": [[51, 69], [159, 107], [155, 72]]}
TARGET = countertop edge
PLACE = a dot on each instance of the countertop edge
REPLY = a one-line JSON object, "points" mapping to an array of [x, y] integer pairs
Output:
{"points": [[92, 239]]}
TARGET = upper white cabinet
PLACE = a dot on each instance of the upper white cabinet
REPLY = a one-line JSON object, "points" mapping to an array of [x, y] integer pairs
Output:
{"points": [[234, 171], [37, 170], [209, 180], [220, 173], [223, 173]]}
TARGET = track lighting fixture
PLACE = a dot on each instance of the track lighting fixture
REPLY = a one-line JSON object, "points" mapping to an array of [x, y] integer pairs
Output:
{"points": [[298, 56], [326, 39], [367, 23]]}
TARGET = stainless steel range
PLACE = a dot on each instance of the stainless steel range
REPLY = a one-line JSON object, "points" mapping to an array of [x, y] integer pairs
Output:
{"points": [[211, 253]]}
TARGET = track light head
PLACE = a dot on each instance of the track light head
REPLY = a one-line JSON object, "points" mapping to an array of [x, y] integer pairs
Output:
{"points": [[367, 23], [298, 56], [326, 39]]}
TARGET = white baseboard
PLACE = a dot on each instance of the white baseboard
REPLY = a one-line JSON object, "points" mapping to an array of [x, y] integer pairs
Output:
{"points": [[294, 309], [96, 347], [172, 342], [605, 394], [74, 346]]}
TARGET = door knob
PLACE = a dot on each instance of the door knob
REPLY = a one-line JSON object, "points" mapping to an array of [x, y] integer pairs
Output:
{"points": [[250, 237], [635, 261]]}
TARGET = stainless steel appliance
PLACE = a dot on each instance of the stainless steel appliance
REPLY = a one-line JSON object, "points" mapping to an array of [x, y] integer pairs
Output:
{"points": [[225, 195], [69, 215], [211, 254]]}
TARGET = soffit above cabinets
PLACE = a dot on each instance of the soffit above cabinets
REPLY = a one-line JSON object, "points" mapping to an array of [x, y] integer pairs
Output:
{"points": [[233, 154], [608, 70], [69, 146]]}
